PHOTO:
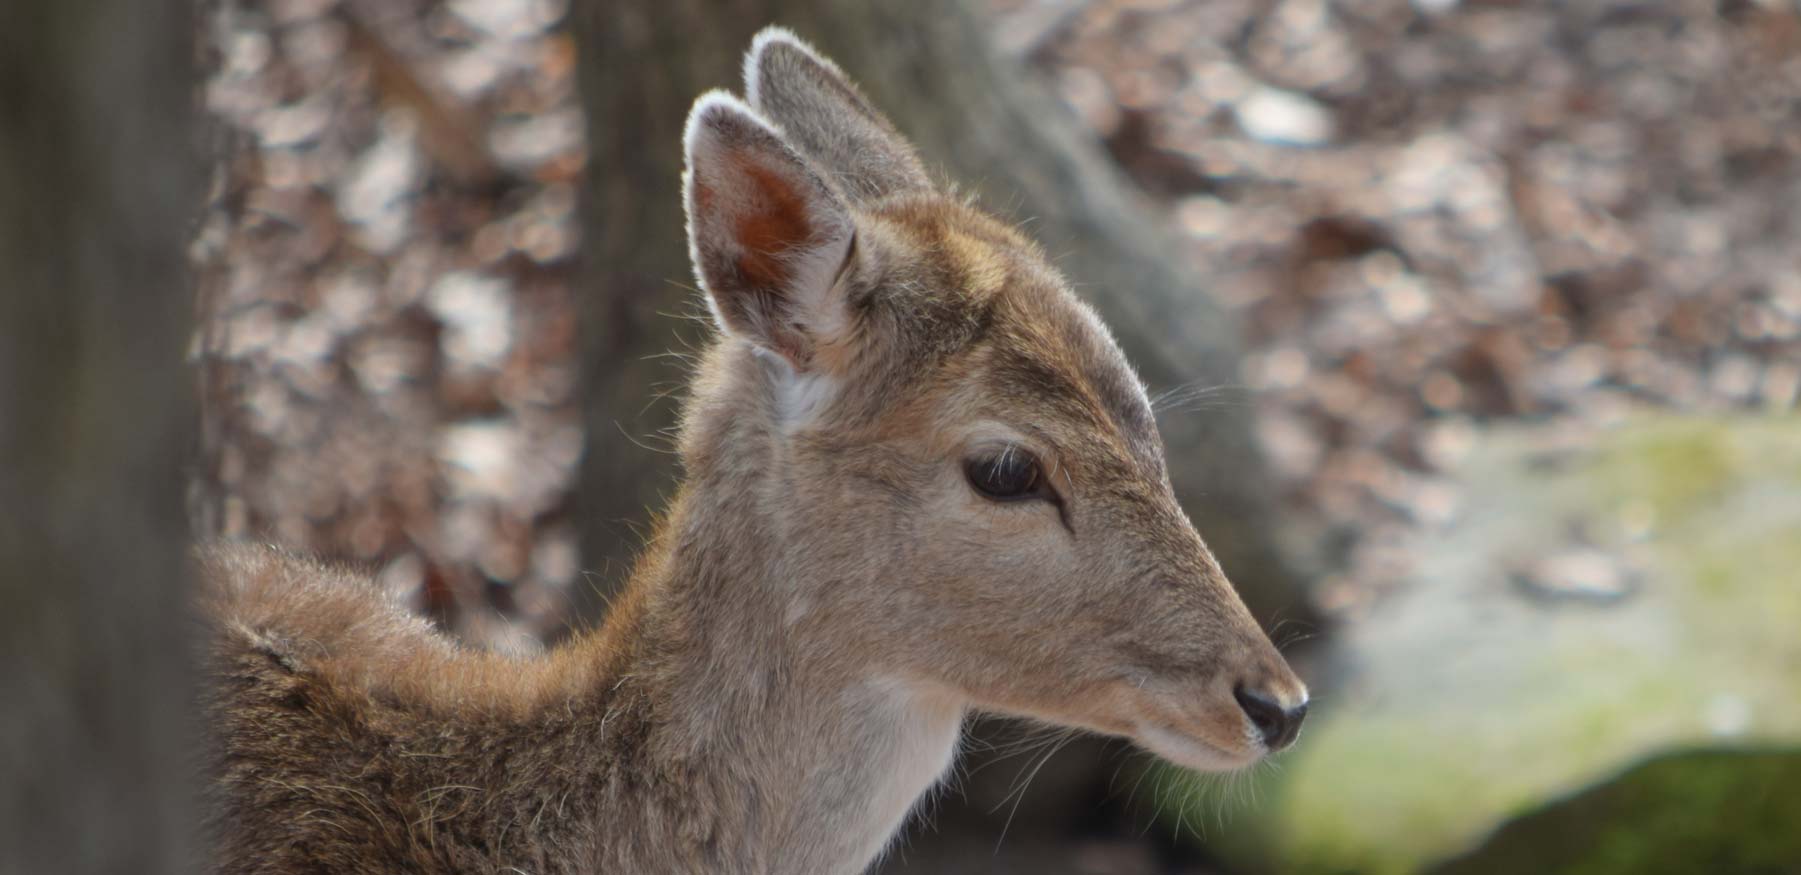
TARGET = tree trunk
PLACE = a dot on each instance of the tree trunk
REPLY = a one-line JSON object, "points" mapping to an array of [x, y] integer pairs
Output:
{"points": [[96, 189], [930, 67]]}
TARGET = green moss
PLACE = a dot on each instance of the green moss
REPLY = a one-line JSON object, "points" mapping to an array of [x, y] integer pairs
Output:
{"points": [[1712, 811], [1743, 563], [1385, 794], [1676, 467]]}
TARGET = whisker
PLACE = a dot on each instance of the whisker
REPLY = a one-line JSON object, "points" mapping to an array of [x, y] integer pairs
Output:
{"points": [[1195, 397], [1019, 794]]}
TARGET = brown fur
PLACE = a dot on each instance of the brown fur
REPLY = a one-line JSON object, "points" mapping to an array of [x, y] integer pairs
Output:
{"points": [[826, 598]]}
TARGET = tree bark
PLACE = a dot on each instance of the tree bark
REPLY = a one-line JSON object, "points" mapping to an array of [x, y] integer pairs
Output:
{"points": [[990, 129], [96, 187]]}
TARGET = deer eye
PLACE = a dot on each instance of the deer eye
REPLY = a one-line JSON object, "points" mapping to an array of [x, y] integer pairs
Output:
{"points": [[1009, 475]]}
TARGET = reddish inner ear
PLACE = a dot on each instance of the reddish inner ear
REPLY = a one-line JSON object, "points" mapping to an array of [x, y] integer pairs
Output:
{"points": [[779, 223]]}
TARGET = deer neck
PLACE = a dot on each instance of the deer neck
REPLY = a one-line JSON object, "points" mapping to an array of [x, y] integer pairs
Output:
{"points": [[833, 754]]}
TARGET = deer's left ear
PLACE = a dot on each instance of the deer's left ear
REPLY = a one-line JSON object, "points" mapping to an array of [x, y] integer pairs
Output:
{"points": [[768, 237], [828, 119]]}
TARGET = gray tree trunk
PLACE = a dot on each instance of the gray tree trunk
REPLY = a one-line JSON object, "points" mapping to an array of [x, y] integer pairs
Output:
{"points": [[929, 66], [96, 187]]}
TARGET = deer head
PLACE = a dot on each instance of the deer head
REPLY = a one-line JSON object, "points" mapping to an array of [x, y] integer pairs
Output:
{"points": [[961, 468]]}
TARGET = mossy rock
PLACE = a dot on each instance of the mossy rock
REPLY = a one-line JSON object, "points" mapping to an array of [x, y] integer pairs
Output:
{"points": [[1463, 701], [1712, 811]]}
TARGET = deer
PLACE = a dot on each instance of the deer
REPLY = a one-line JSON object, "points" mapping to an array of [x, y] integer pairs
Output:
{"points": [[920, 481]]}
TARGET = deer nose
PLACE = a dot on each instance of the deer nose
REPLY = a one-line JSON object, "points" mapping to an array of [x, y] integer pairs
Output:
{"points": [[1277, 724]]}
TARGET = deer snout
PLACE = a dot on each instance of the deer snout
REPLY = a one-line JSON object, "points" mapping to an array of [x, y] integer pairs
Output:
{"points": [[1277, 717]]}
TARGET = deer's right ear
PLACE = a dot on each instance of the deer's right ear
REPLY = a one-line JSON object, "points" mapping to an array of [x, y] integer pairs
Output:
{"points": [[768, 237]]}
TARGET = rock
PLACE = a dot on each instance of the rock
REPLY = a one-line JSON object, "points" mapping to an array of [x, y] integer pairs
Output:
{"points": [[1464, 701], [1582, 572]]}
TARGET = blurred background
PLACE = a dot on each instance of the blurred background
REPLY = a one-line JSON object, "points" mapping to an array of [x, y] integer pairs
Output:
{"points": [[1475, 327]]}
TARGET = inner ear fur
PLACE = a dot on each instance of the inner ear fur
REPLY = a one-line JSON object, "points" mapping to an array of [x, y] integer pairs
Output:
{"points": [[768, 236]]}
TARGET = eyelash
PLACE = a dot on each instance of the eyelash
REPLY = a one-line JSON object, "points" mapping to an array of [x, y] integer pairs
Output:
{"points": [[1014, 474]]}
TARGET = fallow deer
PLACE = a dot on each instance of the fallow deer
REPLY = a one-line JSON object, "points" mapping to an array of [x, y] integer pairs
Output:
{"points": [[920, 481]]}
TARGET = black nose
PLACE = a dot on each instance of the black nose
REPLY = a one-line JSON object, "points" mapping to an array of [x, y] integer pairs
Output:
{"points": [[1276, 724]]}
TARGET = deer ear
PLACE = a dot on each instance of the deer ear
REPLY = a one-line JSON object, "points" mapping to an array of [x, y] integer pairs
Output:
{"points": [[827, 119], [768, 237]]}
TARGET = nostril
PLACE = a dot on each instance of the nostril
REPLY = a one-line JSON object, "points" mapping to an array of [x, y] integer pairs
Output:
{"points": [[1276, 724], [1265, 714]]}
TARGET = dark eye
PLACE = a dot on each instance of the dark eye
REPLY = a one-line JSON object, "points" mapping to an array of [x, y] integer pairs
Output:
{"points": [[1009, 475]]}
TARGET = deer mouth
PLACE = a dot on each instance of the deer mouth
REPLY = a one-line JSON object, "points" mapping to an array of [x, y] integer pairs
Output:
{"points": [[1192, 751], [1173, 719]]}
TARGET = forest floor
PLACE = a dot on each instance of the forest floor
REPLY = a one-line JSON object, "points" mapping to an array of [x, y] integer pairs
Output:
{"points": [[388, 322]]}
